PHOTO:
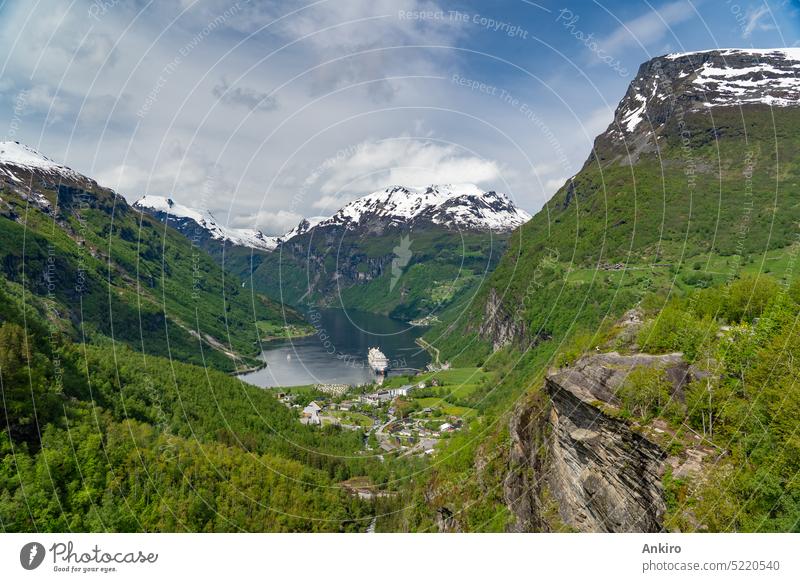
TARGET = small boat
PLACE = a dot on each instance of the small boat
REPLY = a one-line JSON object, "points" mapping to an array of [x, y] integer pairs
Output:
{"points": [[377, 361]]}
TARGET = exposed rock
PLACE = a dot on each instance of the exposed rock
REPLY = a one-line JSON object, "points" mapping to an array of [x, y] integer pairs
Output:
{"points": [[445, 521], [603, 473], [497, 326], [523, 485], [669, 90], [598, 377], [604, 476], [502, 328]]}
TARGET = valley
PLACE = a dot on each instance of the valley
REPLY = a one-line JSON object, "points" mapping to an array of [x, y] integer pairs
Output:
{"points": [[622, 361]]}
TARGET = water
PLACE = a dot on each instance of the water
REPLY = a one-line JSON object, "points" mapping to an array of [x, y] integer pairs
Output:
{"points": [[337, 353]]}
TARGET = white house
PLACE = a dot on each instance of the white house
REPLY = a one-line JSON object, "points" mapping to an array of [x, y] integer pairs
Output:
{"points": [[311, 413]]}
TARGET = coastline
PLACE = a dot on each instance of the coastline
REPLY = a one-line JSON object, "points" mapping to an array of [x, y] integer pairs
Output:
{"points": [[248, 370]]}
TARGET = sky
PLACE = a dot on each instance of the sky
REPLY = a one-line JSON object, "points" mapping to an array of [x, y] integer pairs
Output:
{"points": [[266, 111]]}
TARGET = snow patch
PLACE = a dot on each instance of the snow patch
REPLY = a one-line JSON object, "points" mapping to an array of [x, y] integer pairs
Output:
{"points": [[13, 153], [455, 205], [244, 237]]}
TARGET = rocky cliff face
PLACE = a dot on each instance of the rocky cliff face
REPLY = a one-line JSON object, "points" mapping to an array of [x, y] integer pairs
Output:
{"points": [[669, 90], [497, 325], [569, 450]]}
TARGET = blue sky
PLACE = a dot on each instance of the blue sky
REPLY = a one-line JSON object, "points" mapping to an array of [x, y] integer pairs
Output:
{"points": [[268, 111]]}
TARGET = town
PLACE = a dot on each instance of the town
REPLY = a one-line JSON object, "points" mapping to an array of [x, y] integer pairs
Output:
{"points": [[406, 415]]}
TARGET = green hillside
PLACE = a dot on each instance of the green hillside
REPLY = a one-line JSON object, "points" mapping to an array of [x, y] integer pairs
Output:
{"points": [[701, 232], [103, 438], [742, 340], [682, 217], [355, 270], [105, 270]]}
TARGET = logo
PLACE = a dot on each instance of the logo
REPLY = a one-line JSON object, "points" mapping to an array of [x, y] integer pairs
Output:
{"points": [[402, 256], [31, 555]]}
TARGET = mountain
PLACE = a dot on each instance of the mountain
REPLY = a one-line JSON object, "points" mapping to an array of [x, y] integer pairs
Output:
{"points": [[405, 252], [101, 306], [451, 206], [98, 268], [201, 226], [16, 157], [704, 82], [303, 227], [690, 184], [684, 219]]}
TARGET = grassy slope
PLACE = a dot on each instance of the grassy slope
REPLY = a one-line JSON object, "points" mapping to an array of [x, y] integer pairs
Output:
{"points": [[444, 268], [118, 273], [648, 218], [131, 442], [739, 218]]}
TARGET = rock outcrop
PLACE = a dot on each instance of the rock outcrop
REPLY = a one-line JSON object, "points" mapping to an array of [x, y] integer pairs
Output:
{"points": [[571, 451], [498, 326], [669, 90]]}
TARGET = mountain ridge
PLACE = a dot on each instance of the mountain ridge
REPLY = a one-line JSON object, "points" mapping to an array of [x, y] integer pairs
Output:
{"points": [[103, 269], [452, 206], [680, 226], [180, 217], [457, 206]]}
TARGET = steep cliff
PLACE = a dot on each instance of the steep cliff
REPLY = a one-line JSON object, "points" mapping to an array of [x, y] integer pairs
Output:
{"points": [[571, 450]]}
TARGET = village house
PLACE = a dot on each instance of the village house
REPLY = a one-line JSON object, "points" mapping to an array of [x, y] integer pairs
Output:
{"points": [[311, 414]]}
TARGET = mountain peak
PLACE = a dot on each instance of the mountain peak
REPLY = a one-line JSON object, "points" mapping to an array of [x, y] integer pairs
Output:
{"points": [[453, 206], [187, 220], [18, 155], [698, 81]]}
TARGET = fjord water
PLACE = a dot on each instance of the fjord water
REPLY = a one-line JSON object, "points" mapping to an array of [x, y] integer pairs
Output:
{"points": [[337, 352]]}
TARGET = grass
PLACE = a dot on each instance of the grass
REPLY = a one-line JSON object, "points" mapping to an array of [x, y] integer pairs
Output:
{"points": [[441, 405], [353, 418], [457, 377], [272, 330]]}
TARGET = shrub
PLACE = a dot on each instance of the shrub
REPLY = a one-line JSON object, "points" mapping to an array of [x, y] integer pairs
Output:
{"points": [[675, 329], [645, 392], [749, 296]]}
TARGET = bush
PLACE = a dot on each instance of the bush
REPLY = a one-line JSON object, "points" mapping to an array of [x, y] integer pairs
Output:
{"points": [[749, 296], [701, 280], [675, 330], [646, 392]]}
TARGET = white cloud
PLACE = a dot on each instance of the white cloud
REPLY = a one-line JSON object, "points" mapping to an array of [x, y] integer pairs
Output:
{"points": [[753, 21], [6, 83], [649, 28], [59, 38], [42, 99], [192, 178], [271, 223], [373, 165], [243, 96], [553, 184]]}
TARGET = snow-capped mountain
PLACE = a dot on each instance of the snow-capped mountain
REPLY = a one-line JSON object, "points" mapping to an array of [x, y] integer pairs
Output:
{"points": [[17, 158], [201, 225], [452, 206], [303, 227], [684, 83], [385, 252]]}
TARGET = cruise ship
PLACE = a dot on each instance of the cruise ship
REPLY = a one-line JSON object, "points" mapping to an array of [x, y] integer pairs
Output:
{"points": [[378, 361]]}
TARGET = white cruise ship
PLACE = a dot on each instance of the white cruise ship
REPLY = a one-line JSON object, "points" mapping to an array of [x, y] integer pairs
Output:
{"points": [[377, 360]]}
